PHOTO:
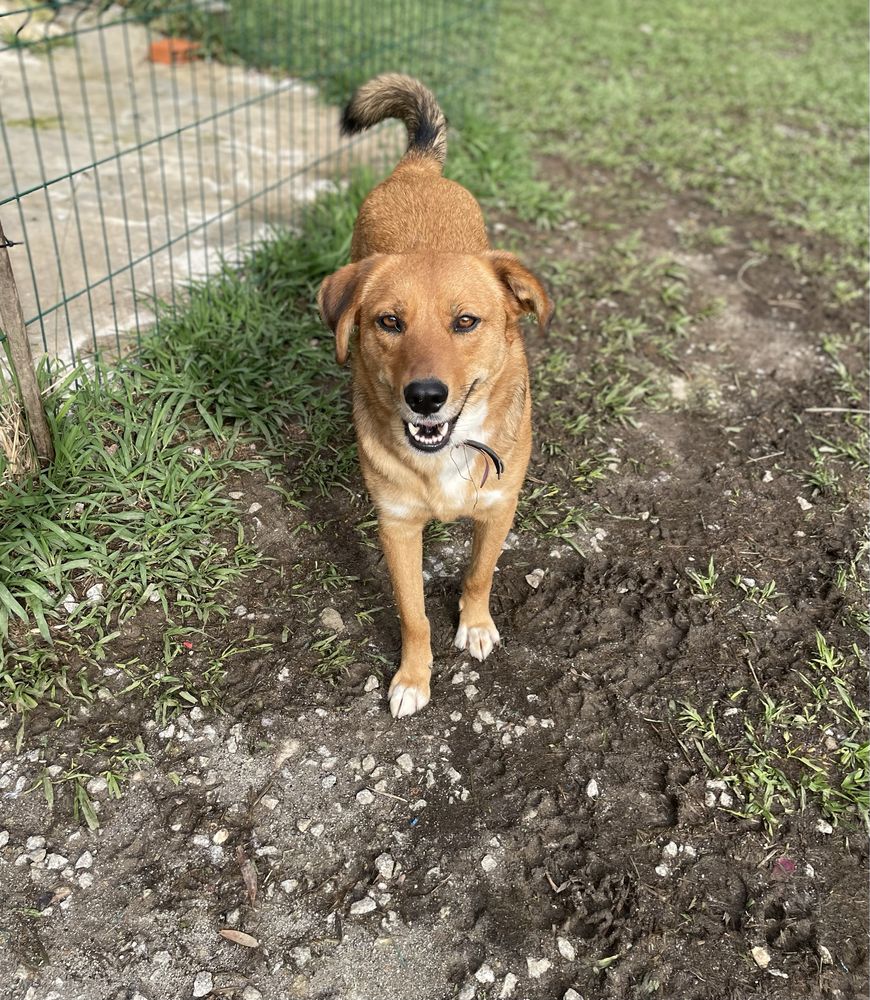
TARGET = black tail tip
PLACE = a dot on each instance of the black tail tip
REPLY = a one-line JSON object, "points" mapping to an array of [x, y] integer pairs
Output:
{"points": [[350, 124]]}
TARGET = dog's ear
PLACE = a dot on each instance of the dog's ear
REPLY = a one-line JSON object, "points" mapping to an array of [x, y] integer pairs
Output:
{"points": [[338, 300], [523, 288]]}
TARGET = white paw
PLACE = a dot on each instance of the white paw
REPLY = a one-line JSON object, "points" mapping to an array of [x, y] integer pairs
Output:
{"points": [[478, 639], [406, 699]]}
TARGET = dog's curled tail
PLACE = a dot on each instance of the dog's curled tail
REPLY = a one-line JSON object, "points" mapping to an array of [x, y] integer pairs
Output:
{"points": [[393, 95]]}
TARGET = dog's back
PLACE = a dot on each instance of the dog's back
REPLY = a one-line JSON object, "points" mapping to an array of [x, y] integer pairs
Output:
{"points": [[415, 208]]}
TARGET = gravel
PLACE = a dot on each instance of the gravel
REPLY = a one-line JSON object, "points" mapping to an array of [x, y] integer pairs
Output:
{"points": [[203, 984]]}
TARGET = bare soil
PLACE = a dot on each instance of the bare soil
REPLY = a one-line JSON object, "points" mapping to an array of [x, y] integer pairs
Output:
{"points": [[545, 794]]}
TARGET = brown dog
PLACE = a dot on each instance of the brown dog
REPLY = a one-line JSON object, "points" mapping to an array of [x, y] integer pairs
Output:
{"points": [[441, 400]]}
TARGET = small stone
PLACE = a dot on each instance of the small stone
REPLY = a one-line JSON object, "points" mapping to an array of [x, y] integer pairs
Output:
{"points": [[220, 836], [162, 958], [670, 850], [37, 856], [804, 504], [364, 905], [825, 956], [301, 955], [405, 763], [302, 825], [85, 880], [86, 859], [592, 790], [534, 578], [94, 595], [269, 802], [196, 714], [566, 949], [488, 863], [662, 870], [365, 797], [240, 611], [203, 984], [385, 866], [328, 781], [372, 683], [726, 800], [823, 826], [254, 508], [290, 885], [485, 975], [54, 862], [332, 621], [470, 692], [317, 830], [251, 993], [571, 995], [508, 986], [467, 992], [33, 843], [761, 957], [538, 966], [4, 838], [368, 763]]}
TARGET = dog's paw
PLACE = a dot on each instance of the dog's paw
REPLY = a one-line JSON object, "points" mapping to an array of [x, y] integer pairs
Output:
{"points": [[479, 640], [408, 695]]}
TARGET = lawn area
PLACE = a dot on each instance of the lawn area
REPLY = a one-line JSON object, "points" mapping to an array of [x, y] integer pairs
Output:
{"points": [[659, 785]]}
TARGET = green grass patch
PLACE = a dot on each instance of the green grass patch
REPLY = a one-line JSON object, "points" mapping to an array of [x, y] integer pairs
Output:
{"points": [[777, 753], [760, 109]]}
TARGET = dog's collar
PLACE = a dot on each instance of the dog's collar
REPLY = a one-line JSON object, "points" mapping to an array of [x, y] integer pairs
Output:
{"points": [[487, 453]]}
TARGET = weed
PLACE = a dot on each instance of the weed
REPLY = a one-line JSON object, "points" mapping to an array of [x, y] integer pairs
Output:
{"points": [[778, 754], [704, 583]]}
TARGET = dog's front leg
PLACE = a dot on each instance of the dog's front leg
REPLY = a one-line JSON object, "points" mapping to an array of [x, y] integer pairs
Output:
{"points": [[477, 632], [403, 548]]}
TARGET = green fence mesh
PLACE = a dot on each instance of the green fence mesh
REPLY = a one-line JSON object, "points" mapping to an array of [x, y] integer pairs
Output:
{"points": [[144, 143]]}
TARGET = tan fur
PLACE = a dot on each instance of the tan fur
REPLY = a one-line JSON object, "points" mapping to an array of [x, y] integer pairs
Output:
{"points": [[420, 252]]}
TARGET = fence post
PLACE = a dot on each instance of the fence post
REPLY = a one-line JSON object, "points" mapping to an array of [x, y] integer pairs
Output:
{"points": [[12, 324]]}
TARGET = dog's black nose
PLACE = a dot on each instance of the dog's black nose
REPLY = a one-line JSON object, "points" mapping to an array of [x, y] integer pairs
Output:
{"points": [[426, 395]]}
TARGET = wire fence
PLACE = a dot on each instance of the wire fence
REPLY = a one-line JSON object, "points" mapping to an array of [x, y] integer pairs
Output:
{"points": [[145, 143]]}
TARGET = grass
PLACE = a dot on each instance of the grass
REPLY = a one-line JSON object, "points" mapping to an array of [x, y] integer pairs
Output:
{"points": [[779, 754], [751, 109]]}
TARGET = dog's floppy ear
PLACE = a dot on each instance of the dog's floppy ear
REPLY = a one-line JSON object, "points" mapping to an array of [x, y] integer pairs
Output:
{"points": [[338, 301], [523, 287]]}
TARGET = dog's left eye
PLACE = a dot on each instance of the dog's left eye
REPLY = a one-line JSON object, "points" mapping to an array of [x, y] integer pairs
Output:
{"points": [[390, 323], [465, 323]]}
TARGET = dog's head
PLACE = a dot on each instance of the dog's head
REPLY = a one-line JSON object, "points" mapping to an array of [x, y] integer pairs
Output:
{"points": [[432, 329]]}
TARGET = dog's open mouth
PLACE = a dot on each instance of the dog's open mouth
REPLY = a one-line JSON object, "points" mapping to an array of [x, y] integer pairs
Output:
{"points": [[429, 437]]}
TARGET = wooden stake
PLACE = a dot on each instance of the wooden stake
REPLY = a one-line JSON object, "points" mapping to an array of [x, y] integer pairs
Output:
{"points": [[12, 324]]}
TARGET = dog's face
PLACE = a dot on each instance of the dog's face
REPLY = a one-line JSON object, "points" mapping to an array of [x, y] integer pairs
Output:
{"points": [[433, 329]]}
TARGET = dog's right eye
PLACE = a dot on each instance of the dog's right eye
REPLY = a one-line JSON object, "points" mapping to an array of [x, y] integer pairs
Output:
{"points": [[390, 323]]}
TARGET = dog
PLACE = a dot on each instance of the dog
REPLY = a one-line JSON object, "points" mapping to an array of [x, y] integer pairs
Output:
{"points": [[441, 401]]}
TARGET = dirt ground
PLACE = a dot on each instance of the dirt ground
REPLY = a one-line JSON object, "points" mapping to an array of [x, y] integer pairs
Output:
{"points": [[538, 831]]}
